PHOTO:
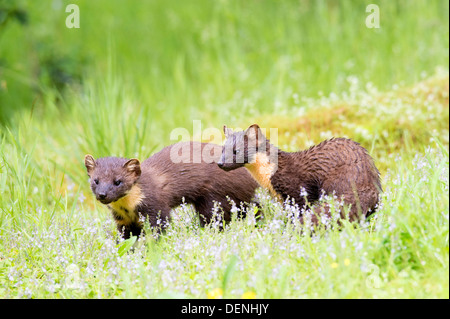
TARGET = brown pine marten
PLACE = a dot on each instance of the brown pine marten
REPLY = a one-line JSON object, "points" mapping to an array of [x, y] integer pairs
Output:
{"points": [[152, 188], [337, 166]]}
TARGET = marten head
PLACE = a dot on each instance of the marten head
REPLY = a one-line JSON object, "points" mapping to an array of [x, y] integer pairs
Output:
{"points": [[242, 147], [111, 178]]}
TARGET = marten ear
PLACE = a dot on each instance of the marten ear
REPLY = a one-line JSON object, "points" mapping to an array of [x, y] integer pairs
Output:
{"points": [[133, 167], [89, 162], [254, 132], [227, 131]]}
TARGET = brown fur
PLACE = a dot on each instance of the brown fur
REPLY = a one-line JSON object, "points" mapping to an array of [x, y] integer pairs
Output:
{"points": [[337, 166], [161, 186], [340, 166]]}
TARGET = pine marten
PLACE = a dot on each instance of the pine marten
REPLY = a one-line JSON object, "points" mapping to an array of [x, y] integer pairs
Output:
{"points": [[339, 165], [158, 184]]}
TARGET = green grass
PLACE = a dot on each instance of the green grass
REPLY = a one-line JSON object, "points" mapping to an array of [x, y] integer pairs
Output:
{"points": [[310, 69]]}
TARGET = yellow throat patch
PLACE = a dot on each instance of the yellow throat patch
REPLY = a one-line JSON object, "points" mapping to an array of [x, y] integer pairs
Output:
{"points": [[125, 206], [262, 170]]}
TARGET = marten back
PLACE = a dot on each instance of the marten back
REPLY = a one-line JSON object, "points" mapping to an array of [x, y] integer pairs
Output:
{"points": [[195, 178]]}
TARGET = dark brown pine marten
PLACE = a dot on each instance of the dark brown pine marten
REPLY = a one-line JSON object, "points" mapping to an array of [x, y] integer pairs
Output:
{"points": [[337, 166], [152, 188]]}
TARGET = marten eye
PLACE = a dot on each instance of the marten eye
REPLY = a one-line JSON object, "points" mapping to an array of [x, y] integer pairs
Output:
{"points": [[118, 182], [235, 151], [96, 181]]}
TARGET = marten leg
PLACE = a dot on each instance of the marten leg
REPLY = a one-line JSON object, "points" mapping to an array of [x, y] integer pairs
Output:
{"points": [[354, 208], [205, 207], [359, 196], [159, 219], [319, 215], [365, 204], [132, 229]]}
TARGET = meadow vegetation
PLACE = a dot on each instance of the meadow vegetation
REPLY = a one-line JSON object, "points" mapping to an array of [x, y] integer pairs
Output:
{"points": [[136, 70]]}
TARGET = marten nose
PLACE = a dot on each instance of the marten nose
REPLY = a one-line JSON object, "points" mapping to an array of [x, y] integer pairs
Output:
{"points": [[101, 196]]}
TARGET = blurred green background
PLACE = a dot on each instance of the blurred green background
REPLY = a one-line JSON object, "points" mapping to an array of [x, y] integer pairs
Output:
{"points": [[212, 60]]}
